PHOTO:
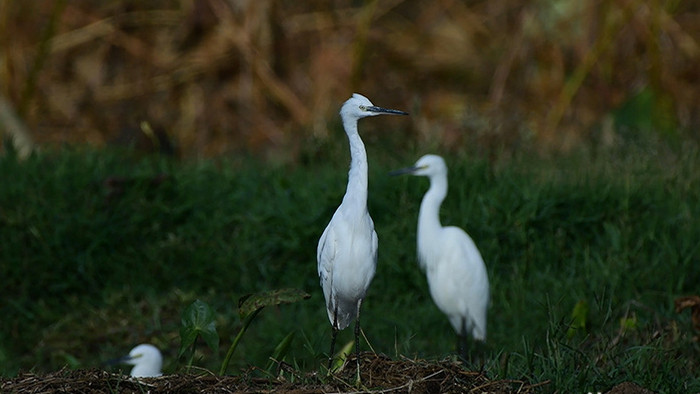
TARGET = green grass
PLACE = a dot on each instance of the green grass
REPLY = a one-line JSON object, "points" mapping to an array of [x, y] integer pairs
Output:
{"points": [[88, 272]]}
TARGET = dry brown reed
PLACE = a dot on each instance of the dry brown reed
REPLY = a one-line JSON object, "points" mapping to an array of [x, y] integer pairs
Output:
{"points": [[210, 77]]}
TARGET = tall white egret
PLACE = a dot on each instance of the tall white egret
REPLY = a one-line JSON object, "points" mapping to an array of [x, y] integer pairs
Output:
{"points": [[347, 250], [459, 284], [145, 358]]}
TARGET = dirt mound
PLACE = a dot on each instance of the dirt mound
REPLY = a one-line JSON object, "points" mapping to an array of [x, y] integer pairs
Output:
{"points": [[379, 374]]}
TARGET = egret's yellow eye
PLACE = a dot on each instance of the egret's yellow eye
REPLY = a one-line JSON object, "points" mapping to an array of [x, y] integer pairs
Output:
{"points": [[362, 107]]}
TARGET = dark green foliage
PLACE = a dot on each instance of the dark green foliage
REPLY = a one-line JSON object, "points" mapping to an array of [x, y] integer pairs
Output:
{"points": [[198, 321], [100, 251]]}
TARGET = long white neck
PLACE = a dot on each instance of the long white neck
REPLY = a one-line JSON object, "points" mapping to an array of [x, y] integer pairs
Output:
{"points": [[429, 216], [357, 176]]}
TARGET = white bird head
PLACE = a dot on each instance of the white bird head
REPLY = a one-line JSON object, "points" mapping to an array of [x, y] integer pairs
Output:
{"points": [[359, 106], [146, 359], [428, 165]]}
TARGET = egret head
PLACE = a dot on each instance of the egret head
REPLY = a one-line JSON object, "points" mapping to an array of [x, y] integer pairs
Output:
{"points": [[359, 106], [428, 165], [146, 359]]}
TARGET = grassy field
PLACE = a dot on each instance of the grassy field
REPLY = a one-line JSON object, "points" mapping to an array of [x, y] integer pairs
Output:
{"points": [[101, 250]]}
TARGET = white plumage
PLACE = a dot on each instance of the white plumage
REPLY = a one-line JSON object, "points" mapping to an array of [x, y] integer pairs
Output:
{"points": [[146, 359], [455, 270], [347, 250]]}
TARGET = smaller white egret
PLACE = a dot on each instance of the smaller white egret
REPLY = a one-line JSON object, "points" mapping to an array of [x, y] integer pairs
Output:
{"points": [[459, 284], [145, 358], [347, 250]]}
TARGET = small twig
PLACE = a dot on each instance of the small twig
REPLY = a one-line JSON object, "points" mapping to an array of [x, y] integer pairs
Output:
{"points": [[500, 76], [207, 371], [40, 58], [367, 340], [15, 128], [410, 383]]}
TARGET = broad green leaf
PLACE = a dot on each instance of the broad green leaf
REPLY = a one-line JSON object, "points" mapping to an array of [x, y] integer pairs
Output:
{"points": [[198, 320], [252, 302]]}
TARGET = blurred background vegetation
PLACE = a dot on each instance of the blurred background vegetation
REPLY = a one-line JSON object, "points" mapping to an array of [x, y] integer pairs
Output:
{"points": [[264, 79], [202, 78]]}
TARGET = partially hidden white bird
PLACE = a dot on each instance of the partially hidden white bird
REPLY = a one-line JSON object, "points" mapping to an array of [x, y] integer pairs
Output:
{"points": [[145, 358], [457, 277], [347, 250]]}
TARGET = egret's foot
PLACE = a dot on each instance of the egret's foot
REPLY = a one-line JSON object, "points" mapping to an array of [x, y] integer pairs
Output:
{"points": [[474, 355], [329, 370]]}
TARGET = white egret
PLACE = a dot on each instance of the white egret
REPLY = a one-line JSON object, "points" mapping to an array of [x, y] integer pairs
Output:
{"points": [[459, 284], [347, 250], [145, 358]]}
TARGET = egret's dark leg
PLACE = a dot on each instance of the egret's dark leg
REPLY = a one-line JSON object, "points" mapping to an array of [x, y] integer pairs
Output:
{"points": [[333, 335], [462, 342], [357, 339], [462, 351]]}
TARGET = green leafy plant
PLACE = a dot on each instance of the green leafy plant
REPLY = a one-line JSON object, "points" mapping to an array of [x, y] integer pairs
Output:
{"points": [[250, 305], [198, 320]]}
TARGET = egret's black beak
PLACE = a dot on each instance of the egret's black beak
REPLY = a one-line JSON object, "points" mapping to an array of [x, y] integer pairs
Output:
{"points": [[407, 170], [386, 111], [119, 360]]}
